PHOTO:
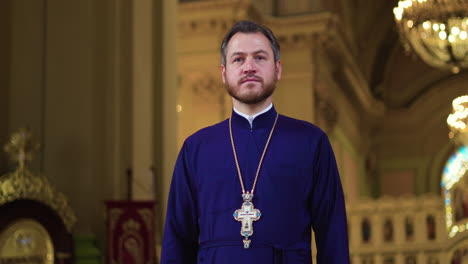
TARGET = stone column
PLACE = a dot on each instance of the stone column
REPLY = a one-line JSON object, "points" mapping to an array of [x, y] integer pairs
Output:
{"points": [[399, 235], [377, 227], [142, 112], [421, 258], [356, 259], [399, 229], [166, 86], [441, 228], [378, 259], [420, 234], [399, 259], [377, 238], [355, 234]]}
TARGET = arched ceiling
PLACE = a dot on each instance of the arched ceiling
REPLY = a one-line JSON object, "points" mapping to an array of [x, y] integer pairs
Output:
{"points": [[395, 77]]}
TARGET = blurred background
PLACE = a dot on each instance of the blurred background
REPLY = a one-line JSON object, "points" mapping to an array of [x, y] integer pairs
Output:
{"points": [[111, 88]]}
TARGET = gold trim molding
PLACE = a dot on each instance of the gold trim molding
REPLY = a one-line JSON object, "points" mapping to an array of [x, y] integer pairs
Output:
{"points": [[23, 184]]}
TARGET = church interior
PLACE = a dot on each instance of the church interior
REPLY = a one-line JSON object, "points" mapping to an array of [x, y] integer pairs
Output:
{"points": [[97, 98]]}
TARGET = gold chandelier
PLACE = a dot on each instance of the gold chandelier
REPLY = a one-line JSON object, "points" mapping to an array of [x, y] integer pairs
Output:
{"points": [[457, 121], [436, 30]]}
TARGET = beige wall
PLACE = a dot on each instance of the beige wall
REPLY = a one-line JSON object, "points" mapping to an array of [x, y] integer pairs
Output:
{"points": [[398, 183], [76, 117], [72, 71], [294, 95], [416, 139], [26, 83], [62, 75]]}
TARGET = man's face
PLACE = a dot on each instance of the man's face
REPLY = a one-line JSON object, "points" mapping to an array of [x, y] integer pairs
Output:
{"points": [[250, 73]]}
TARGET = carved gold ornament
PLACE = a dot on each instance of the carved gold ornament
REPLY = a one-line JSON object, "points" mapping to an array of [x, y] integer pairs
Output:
{"points": [[23, 184], [26, 241]]}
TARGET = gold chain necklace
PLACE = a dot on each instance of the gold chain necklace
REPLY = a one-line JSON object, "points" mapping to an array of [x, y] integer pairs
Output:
{"points": [[247, 214]]}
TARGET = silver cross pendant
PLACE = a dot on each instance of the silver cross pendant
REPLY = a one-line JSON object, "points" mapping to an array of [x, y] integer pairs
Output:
{"points": [[246, 215]]}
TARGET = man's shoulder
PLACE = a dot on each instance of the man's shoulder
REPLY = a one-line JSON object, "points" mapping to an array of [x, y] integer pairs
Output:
{"points": [[208, 133], [301, 126]]}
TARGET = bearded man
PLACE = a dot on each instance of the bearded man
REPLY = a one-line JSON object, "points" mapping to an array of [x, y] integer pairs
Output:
{"points": [[251, 188]]}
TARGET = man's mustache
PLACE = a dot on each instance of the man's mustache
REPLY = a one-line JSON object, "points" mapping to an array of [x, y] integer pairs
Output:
{"points": [[250, 78]]}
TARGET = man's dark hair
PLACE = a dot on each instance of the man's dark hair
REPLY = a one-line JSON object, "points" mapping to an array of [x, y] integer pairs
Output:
{"points": [[245, 26]]}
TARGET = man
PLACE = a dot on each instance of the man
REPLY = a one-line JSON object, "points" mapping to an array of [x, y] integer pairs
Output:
{"points": [[249, 189]]}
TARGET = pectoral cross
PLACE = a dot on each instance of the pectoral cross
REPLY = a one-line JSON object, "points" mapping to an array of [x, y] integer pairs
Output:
{"points": [[246, 215]]}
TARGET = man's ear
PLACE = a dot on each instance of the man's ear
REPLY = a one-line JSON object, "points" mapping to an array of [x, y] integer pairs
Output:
{"points": [[278, 69], [223, 73]]}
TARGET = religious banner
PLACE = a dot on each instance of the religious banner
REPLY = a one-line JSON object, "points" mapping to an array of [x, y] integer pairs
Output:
{"points": [[130, 232]]}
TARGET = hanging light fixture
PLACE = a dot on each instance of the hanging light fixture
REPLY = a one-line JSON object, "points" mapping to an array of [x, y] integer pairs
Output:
{"points": [[457, 121], [436, 30]]}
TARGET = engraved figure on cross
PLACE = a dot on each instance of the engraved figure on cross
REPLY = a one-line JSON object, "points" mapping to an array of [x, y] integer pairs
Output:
{"points": [[246, 215]]}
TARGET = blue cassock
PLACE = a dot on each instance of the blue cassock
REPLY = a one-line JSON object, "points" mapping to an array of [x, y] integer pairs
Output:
{"points": [[298, 189]]}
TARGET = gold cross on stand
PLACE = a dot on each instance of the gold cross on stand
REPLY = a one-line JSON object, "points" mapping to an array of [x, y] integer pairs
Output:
{"points": [[22, 147]]}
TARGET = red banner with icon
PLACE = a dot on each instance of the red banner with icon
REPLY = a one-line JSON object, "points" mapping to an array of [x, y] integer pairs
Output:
{"points": [[130, 232]]}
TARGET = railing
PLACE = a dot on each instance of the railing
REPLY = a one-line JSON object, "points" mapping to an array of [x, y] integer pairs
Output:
{"points": [[405, 230]]}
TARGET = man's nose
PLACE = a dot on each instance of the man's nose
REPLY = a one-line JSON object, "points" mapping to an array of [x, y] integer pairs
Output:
{"points": [[249, 66]]}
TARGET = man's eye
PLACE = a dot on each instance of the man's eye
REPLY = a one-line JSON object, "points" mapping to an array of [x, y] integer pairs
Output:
{"points": [[260, 58], [238, 60]]}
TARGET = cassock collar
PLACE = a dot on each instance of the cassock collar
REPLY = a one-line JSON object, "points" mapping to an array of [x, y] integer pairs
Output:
{"points": [[264, 120]]}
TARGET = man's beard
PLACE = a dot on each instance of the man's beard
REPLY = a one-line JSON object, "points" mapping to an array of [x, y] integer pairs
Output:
{"points": [[251, 98]]}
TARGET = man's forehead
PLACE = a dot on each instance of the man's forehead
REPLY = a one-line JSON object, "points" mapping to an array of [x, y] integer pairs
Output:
{"points": [[249, 42]]}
